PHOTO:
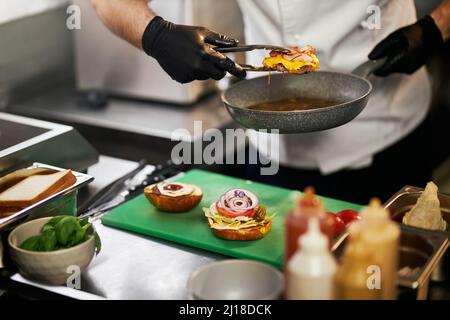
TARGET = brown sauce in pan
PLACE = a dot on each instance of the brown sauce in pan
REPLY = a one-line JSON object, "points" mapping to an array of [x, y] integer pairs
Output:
{"points": [[293, 104]]}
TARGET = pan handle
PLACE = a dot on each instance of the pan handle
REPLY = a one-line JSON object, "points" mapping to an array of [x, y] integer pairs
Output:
{"points": [[367, 68]]}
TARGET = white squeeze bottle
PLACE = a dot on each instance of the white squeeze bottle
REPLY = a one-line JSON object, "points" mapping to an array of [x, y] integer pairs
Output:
{"points": [[311, 270]]}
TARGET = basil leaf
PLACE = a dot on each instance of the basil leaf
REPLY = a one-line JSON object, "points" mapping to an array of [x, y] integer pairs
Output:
{"points": [[53, 221], [62, 232], [47, 227], [48, 240], [80, 235], [32, 243], [65, 229], [98, 243], [83, 221]]}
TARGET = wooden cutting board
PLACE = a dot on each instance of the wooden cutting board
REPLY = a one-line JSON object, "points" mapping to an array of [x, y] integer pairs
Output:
{"points": [[191, 228]]}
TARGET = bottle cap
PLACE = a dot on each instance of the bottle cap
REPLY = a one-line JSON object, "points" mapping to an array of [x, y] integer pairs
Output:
{"points": [[374, 213], [309, 203], [313, 240]]}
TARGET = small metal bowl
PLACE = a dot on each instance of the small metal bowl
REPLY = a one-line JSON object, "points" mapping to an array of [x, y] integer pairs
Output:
{"points": [[236, 280]]}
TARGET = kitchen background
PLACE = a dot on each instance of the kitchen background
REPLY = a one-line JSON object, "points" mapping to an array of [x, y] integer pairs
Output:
{"points": [[97, 83]]}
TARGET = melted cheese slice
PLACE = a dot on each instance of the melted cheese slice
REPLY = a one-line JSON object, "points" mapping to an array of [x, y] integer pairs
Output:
{"points": [[216, 221], [291, 66]]}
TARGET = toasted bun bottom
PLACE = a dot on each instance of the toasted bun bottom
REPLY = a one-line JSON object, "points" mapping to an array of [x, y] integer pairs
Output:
{"points": [[248, 234], [174, 204]]}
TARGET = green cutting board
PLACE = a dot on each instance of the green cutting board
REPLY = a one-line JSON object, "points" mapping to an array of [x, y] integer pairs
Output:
{"points": [[191, 228]]}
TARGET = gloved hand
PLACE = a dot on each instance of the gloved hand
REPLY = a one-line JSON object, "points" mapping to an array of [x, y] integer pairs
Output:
{"points": [[408, 48], [185, 52]]}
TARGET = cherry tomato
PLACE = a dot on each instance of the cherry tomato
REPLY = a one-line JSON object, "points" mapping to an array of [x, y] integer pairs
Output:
{"points": [[348, 216], [338, 224]]}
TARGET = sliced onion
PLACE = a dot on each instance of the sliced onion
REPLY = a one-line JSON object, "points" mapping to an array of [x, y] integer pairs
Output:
{"points": [[237, 202]]}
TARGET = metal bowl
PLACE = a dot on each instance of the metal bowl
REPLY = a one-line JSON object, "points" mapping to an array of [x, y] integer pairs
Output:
{"points": [[236, 280], [403, 201]]}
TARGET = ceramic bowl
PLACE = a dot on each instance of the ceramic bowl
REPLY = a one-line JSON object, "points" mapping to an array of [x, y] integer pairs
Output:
{"points": [[48, 267]]}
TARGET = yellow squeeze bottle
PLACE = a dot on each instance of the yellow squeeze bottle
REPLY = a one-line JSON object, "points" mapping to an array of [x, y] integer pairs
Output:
{"points": [[380, 237]]}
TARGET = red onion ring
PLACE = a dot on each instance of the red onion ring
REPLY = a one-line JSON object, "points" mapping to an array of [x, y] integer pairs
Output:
{"points": [[237, 202]]}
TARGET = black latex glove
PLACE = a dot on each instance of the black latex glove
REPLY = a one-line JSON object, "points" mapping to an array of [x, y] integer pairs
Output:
{"points": [[185, 52], [408, 48]]}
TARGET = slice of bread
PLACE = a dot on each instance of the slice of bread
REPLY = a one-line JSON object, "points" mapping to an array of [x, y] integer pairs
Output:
{"points": [[15, 177], [35, 188]]}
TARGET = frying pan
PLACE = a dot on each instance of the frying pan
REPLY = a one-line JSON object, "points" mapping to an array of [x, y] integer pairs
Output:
{"points": [[350, 90]]}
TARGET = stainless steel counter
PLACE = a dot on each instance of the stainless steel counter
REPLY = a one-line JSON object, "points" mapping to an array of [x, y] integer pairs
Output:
{"points": [[144, 118], [132, 266]]}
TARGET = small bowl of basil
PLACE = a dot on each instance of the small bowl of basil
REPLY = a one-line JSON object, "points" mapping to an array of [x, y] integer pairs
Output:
{"points": [[54, 250]]}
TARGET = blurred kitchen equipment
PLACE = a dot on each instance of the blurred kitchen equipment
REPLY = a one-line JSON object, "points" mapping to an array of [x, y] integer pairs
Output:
{"points": [[351, 93], [403, 201], [105, 62], [25, 140], [420, 254], [236, 280], [47, 267]]}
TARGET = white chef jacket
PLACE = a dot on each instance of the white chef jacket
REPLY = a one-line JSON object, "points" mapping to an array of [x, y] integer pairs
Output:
{"points": [[336, 28]]}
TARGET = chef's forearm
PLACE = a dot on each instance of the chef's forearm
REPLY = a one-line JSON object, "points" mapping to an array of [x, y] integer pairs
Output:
{"points": [[442, 18], [126, 18]]}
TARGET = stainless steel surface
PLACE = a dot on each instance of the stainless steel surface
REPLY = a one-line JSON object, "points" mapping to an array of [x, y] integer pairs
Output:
{"points": [[351, 93], [13, 133], [420, 253], [144, 118], [106, 62], [236, 280], [403, 201], [251, 47], [132, 266], [36, 53], [24, 141], [29, 212]]}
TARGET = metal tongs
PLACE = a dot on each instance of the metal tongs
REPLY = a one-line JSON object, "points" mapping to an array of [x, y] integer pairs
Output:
{"points": [[245, 48], [126, 188]]}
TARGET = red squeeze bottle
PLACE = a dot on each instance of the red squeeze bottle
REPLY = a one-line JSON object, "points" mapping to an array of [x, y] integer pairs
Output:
{"points": [[296, 223]]}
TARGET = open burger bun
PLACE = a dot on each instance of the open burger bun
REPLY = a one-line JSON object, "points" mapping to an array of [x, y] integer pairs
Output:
{"points": [[174, 204], [247, 234]]}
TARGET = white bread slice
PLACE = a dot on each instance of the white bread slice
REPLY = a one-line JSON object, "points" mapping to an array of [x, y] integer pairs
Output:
{"points": [[35, 188], [15, 177]]}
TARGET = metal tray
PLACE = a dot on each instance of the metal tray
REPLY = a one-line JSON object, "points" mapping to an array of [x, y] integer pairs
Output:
{"points": [[420, 254], [59, 199], [403, 201], [400, 203]]}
